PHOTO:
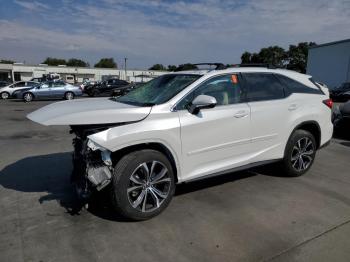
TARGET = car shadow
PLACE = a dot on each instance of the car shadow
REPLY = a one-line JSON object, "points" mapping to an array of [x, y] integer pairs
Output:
{"points": [[46, 173], [51, 174]]}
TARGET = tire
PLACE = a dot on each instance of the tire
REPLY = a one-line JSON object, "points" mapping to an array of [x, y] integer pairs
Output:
{"points": [[5, 95], [91, 93], [299, 154], [129, 187], [28, 97], [69, 96]]}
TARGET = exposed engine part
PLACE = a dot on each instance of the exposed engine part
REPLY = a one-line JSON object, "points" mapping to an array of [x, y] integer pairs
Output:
{"points": [[99, 176], [106, 157]]}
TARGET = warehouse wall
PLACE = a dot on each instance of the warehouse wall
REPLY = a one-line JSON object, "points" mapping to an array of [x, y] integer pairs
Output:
{"points": [[330, 64]]}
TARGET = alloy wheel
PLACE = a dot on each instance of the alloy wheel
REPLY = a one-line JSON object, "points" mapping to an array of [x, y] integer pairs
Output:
{"points": [[149, 186], [28, 97], [4, 95], [302, 154], [69, 96]]}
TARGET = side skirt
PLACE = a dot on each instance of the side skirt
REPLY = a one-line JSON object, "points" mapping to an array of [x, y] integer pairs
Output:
{"points": [[232, 170]]}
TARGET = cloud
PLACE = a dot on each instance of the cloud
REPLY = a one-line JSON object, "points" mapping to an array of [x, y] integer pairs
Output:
{"points": [[173, 32], [32, 5]]}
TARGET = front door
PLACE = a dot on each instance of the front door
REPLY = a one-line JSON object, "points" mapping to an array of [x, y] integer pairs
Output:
{"points": [[218, 138], [42, 91]]}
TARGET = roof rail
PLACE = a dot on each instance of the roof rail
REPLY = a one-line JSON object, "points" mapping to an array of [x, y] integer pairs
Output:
{"points": [[218, 66], [267, 65]]}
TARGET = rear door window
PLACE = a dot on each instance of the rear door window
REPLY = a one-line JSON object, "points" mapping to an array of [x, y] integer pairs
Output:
{"points": [[293, 86], [263, 87]]}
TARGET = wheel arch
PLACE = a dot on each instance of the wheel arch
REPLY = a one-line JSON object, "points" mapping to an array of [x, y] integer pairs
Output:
{"points": [[68, 91], [311, 126], [7, 92], [26, 92], [118, 154]]}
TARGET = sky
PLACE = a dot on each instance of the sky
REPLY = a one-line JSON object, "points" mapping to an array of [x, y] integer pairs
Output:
{"points": [[166, 32]]}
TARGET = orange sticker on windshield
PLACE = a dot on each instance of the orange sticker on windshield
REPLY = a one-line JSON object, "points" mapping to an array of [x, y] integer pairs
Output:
{"points": [[234, 79]]}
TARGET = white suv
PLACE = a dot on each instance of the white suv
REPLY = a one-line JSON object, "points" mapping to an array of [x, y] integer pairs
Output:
{"points": [[188, 125]]}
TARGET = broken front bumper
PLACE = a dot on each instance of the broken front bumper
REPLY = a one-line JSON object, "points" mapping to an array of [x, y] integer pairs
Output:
{"points": [[92, 167]]}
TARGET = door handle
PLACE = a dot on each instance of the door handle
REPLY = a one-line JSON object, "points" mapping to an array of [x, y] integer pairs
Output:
{"points": [[241, 114], [292, 107]]}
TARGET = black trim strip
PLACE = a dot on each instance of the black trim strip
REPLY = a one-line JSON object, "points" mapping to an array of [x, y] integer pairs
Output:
{"points": [[236, 169]]}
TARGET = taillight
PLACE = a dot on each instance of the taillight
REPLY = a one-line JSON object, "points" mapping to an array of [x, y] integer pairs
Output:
{"points": [[328, 102]]}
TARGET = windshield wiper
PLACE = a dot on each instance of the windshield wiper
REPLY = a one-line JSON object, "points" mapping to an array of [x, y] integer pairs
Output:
{"points": [[131, 102]]}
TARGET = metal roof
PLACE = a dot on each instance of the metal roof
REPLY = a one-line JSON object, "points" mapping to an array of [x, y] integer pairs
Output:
{"points": [[330, 43]]}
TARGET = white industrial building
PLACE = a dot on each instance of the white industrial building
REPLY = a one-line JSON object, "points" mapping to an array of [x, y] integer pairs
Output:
{"points": [[20, 71], [330, 63]]}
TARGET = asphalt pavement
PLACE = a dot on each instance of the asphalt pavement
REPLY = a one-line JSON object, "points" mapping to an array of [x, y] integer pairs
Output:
{"points": [[255, 215]]}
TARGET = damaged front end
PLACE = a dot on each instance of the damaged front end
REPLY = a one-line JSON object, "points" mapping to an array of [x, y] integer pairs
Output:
{"points": [[92, 164]]}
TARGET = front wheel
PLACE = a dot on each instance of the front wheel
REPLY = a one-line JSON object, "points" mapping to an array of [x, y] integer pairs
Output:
{"points": [[300, 153], [143, 184], [27, 97], [5, 95]]}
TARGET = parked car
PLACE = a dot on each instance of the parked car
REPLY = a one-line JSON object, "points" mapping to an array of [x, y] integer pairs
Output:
{"points": [[53, 89], [38, 79], [342, 93], [120, 91], [7, 91], [4, 83], [105, 88], [341, 115], [87, 83], [189, 125]]}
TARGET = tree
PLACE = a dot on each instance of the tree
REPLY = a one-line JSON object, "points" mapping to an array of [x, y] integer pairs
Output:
{"points": [[106, 63], [51, 61], [4, 61], [158, 67], [171, 67], [297, 56], [273, 55], [246, 58], [77, 62], [187, 66]]}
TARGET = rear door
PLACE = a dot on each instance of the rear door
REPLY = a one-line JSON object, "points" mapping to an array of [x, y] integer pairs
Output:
{"points": [[218, 138], [270, 114]]}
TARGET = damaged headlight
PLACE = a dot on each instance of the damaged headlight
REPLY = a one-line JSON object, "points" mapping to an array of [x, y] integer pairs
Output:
{"points": [[94, 146], [105, 154]]}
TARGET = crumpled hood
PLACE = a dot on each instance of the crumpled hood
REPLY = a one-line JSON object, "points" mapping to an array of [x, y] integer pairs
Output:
{"points": [[88, 112]]}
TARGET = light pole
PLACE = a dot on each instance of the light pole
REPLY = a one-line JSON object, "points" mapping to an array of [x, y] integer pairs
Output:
{"points": [[125, 58]]}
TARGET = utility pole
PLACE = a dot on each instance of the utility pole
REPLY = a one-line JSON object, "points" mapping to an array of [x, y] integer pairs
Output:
{"points": [[125, 58]]}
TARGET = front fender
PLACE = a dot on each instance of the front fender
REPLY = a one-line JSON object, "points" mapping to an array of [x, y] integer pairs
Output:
{"points": [[165, 131]]}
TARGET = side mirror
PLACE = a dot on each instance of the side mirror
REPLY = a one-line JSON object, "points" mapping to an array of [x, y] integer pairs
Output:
{"points": [[201, 102]]}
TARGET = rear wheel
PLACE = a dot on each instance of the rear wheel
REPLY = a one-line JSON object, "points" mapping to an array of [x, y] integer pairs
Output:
{"points": [[27, 97], [69, 96], [91, 93], [5, 95], [299, 154], [143, 184]]}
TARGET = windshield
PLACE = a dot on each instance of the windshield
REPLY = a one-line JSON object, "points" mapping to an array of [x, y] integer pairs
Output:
{"points": [[158, 90]]}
